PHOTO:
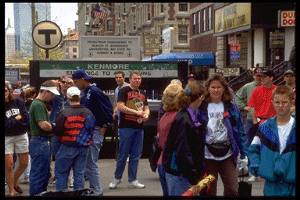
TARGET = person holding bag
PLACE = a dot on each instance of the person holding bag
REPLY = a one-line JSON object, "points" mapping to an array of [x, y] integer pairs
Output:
{"points": [[225, 135]]}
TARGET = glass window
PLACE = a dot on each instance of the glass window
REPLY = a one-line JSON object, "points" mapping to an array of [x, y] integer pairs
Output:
{"points": [[182, 34], [183, 7]]}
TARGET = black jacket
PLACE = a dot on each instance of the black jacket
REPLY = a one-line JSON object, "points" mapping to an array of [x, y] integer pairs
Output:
{"points": [[184, 149]]}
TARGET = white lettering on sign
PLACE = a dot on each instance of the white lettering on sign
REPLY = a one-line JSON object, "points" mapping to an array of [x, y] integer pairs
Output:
{"points": [[228, 71]]}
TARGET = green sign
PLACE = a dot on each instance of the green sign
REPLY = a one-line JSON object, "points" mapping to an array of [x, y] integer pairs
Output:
{"points": [[107, 70]]}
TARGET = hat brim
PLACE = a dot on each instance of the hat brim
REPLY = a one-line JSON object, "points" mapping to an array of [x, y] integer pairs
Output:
{"points": [[51, 89]]}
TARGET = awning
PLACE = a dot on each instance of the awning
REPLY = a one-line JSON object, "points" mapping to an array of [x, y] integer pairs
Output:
{"points": [[193, 58], [147, 59]]}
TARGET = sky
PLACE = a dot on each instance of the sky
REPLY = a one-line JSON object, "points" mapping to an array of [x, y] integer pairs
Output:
{"points": [[63, 14]]}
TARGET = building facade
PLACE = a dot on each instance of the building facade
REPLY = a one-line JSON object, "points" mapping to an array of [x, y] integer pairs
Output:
{"points": [[23, 25], [147, 20], [9, 40], [253, 34], [70, 45]]}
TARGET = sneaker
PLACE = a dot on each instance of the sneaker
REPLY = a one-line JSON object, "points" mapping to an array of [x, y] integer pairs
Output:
{"points": [[25, 181], [136, 184], [114, 184], [71, 182], [253, 179]]}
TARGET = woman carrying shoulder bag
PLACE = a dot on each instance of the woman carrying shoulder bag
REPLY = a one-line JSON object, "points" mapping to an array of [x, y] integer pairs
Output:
{"points": [[225, 135]]}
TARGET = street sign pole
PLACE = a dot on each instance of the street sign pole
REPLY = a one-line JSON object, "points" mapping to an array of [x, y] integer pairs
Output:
{"points": [[47, 35]]}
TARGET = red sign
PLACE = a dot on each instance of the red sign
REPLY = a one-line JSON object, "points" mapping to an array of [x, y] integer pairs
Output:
{"points": [[287, 18]]}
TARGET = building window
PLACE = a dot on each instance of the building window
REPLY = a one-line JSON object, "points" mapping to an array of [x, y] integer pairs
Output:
{"points": [[87, 8], [109, 25], [74, 56], [124, 29], [203, 20], [148, 13], [209, 18], [134, 23], [161, 8], [199, 22], [182, 34], [183, 7], [67, 50], [194, 23], [74, 50]]}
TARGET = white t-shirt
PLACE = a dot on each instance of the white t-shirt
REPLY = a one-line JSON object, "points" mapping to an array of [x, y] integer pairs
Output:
{"points": [[217, 131], [283, 133]]}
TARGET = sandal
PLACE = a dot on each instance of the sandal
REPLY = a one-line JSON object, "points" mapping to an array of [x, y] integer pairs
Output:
{"points": [[18, 189]]}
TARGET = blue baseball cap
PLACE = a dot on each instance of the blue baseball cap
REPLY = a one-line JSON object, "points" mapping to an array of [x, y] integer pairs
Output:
{"points": [[81, 73]]}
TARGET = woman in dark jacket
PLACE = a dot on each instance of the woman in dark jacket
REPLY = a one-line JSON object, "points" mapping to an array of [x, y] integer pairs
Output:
{"points": [[183, 155], [16, 139]]}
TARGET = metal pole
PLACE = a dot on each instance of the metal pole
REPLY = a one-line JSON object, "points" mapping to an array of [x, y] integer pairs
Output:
{"points": [[33, 22], [47, 53]]}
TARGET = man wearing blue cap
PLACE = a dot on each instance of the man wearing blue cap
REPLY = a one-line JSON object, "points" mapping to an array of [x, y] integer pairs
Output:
{"points": [[96, 101]]}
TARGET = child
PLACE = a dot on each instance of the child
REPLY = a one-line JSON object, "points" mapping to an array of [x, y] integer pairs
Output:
{"points": [[272, 152], [74, 127]]}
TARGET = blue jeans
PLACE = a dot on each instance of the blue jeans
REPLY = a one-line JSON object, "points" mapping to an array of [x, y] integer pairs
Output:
{"points": [[92, 170], [39, 150], [66, 158], [55, 144], [131, 143], [163, 181], [177, 184]]}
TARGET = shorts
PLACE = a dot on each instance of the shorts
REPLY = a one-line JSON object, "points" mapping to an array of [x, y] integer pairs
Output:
{"points": [[16, 144]]}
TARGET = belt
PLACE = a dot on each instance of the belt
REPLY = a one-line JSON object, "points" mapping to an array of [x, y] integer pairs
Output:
{"points": [[37, 136]]}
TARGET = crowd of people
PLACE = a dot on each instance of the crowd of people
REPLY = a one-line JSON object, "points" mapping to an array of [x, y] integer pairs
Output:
{"points": [[200, 128]]}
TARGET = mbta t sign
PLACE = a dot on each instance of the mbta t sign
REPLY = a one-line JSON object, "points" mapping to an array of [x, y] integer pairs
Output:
{"points": [[47, 35]]}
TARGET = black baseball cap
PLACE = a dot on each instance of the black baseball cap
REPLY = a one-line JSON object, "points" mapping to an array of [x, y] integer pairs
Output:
{"points": [[268, 73], [289, 72]]}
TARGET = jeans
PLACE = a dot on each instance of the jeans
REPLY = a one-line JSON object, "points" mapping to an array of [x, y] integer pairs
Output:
{"points": [[131, 143], [163, 181], [55, 144], [92, 170], [39, 150], [177, 185], [66, 158]]}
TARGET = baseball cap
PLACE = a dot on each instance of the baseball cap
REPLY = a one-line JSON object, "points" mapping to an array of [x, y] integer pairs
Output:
{"points": [[73, 91], [258, 71], [51, 89], [81, 73], [289, 72], [268, 73], [192, 76]]}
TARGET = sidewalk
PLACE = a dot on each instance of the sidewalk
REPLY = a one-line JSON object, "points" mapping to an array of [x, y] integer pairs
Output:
{"points": [[145, 176]]}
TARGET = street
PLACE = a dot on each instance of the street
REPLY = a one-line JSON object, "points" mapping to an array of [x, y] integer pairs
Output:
{"points": [[145, 176]]}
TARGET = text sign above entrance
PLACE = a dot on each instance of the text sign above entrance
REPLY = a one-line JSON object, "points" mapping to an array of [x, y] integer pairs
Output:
{"points": [[46, 35]]}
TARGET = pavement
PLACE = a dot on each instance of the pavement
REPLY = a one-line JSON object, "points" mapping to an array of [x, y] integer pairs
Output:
{"points": [[145, 176]]}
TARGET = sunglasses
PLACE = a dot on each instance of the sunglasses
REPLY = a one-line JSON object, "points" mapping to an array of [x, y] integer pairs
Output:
{"points": [[65, 82]]}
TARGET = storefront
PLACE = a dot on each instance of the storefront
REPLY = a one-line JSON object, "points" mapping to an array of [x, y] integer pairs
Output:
{"points": [[251, 34]]}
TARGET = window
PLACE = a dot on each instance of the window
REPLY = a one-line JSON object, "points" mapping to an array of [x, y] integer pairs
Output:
{"points": [[183, 7], [203, 19], [124, 29], [74, 50], [67, 50], [194, 23], [209, 18], [161, 8], [109, 25], [182, 34], [134, 23], [148, 13], [199, 23], [74, 56]]}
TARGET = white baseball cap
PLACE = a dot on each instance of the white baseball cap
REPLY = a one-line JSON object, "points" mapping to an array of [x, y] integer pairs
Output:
{"points": [[72, 91], [51, 89]]}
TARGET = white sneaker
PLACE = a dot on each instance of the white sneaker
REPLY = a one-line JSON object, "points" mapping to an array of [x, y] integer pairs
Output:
{"points": [[114, 184], [253, 179], [136, 184]]}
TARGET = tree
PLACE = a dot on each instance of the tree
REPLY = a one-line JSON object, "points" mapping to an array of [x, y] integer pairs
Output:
{"points": [[16, 58], [54, 54]]}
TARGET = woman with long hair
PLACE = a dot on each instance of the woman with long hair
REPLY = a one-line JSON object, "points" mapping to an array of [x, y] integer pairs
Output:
{"points": [[225, 135], [16, 139]]}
